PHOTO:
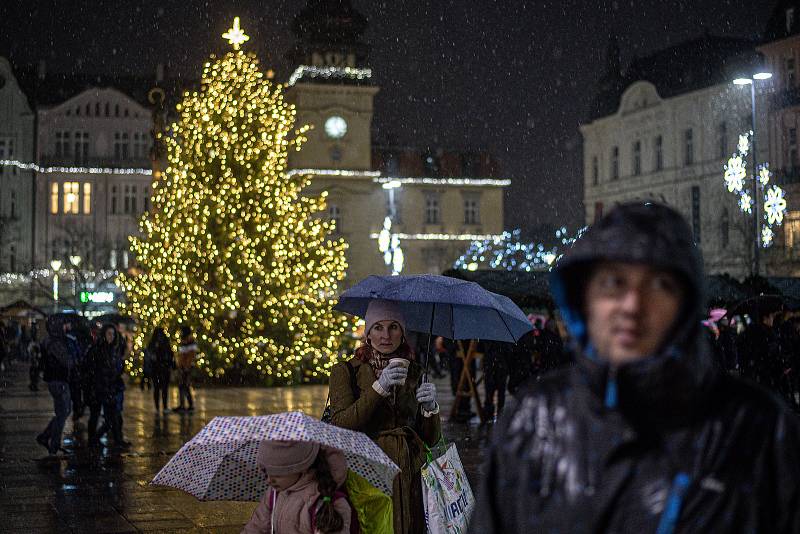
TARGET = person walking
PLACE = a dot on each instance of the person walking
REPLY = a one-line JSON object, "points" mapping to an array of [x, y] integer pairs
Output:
{"points": [[643, 433], [303, 496], [187, 352], [59, 366], [495, 376], [103, 370], [162, 362], [380, 392]]}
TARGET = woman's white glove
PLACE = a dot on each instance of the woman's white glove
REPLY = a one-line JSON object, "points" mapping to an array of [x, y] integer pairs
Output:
{"points": [[394, 375], [426, 396]]}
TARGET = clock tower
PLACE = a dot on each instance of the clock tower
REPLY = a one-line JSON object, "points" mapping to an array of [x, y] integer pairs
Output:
{"points": [[331, 86]]}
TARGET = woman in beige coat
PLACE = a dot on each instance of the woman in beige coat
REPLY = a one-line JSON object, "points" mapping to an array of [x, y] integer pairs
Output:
{"points": [[388, 402]]}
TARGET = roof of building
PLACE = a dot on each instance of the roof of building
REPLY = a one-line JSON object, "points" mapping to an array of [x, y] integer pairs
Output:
{"points": [[689, 66]]}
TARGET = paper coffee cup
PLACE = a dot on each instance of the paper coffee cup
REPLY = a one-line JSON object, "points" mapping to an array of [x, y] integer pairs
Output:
{"points": [[404, 362]]}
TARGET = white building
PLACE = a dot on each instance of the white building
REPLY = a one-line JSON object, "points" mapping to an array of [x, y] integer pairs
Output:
{"points": [[16, 185], [102, 136], [664, 131]]}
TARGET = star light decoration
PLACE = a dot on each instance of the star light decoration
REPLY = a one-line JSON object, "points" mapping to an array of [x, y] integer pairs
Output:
{"points": [[231, 247], [235, 35], [506, 252], [774, 197]]}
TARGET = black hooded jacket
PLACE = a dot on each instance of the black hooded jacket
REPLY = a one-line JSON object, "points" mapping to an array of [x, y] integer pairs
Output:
{"points": [[663, 444], [58, 359]]}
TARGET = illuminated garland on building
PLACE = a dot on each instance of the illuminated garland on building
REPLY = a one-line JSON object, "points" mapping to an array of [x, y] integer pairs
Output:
{"points": [[73, 170], [472, 182], [735, 177], [309, 71], [231, 248], [507, 252], [442, 237]]}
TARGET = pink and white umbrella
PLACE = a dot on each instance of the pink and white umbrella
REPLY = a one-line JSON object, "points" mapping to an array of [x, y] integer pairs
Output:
{"points": [[219, 463]]}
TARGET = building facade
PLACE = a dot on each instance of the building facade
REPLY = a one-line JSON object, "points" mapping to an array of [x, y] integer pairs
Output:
{"points": [[781, 51], [427, 204], [664, 132], [16, 184]]}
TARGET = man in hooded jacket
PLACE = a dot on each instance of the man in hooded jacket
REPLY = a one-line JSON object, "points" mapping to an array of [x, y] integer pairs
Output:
{"points": [[642, 434], [59, 368]]}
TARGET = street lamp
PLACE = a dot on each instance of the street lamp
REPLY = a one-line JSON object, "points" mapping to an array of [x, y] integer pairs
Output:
{"points": [[75, 260], [56, 265], [762, 75]]}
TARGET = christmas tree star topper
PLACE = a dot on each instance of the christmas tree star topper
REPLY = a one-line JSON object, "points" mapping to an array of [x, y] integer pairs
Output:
{"points": [[235, 36]]}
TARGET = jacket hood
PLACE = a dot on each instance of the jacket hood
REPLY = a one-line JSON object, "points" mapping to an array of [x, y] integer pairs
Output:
{"points": [[654, 235]]}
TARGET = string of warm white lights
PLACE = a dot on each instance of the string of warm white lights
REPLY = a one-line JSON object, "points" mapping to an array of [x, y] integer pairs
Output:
{"points": [[472, 182], [74, 169], [231, 247], [311, 71], [440, 237], [332, 172]]}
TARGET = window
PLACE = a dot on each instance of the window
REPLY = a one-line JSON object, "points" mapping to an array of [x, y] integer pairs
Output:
{"points": [[71, 198], [106, 110], [688, 142], [87, 198], [659, 153], [789, 19], [81, 147], [696, 213], [129, 200], [790, 72], [88, 110], [598, 211], [54, 198], [97, 109], [432, 208], [595, 171], [140, 144], [723, 140], [615, 163], [116, 110], [792, 148], [121, 145], [472, 209], [114, 201], [724, 228], [335, 216], [637, 158], [13, 204], [62, 144]]}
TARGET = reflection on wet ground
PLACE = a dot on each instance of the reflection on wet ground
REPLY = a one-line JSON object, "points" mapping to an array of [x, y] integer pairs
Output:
{"points": [[102, 490]]}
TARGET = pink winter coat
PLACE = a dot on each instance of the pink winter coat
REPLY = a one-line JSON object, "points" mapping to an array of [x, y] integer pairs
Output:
{"points": [[292, 507]]}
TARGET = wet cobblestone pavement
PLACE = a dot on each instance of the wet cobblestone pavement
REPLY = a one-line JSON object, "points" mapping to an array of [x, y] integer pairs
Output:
{"points": [[100, 490]]}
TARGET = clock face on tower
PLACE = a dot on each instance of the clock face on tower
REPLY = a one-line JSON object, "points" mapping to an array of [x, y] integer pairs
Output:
{"points": [[335, 127]]}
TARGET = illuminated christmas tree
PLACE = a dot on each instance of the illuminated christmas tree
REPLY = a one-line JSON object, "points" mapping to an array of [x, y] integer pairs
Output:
{"points": [[231, 247]]}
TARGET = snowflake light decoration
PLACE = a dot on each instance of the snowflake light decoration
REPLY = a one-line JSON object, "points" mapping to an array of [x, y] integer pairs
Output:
{"points": [[744, 143], [775, 205], [745, 202], [766, 236], [764, 174], [735, 174]]}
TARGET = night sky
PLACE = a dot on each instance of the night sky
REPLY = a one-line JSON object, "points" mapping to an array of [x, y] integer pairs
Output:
{"points": [[513, 76]]}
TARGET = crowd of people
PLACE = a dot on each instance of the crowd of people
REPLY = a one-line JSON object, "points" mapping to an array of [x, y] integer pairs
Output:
{"points": [[84, 368]]}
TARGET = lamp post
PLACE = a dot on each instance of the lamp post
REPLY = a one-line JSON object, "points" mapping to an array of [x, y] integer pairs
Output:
{"points": [[751, 81], [56, 266], [75, 260], [388, 242]]}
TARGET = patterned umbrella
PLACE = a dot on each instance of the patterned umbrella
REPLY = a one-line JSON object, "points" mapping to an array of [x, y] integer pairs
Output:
{"points": [[219, 463]]}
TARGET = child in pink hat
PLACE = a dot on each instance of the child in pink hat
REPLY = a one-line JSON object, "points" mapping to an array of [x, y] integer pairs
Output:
{"points": [[303, 496]]}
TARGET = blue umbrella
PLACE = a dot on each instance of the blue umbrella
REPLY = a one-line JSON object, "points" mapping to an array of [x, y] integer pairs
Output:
{"points": [[440, 305]]}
